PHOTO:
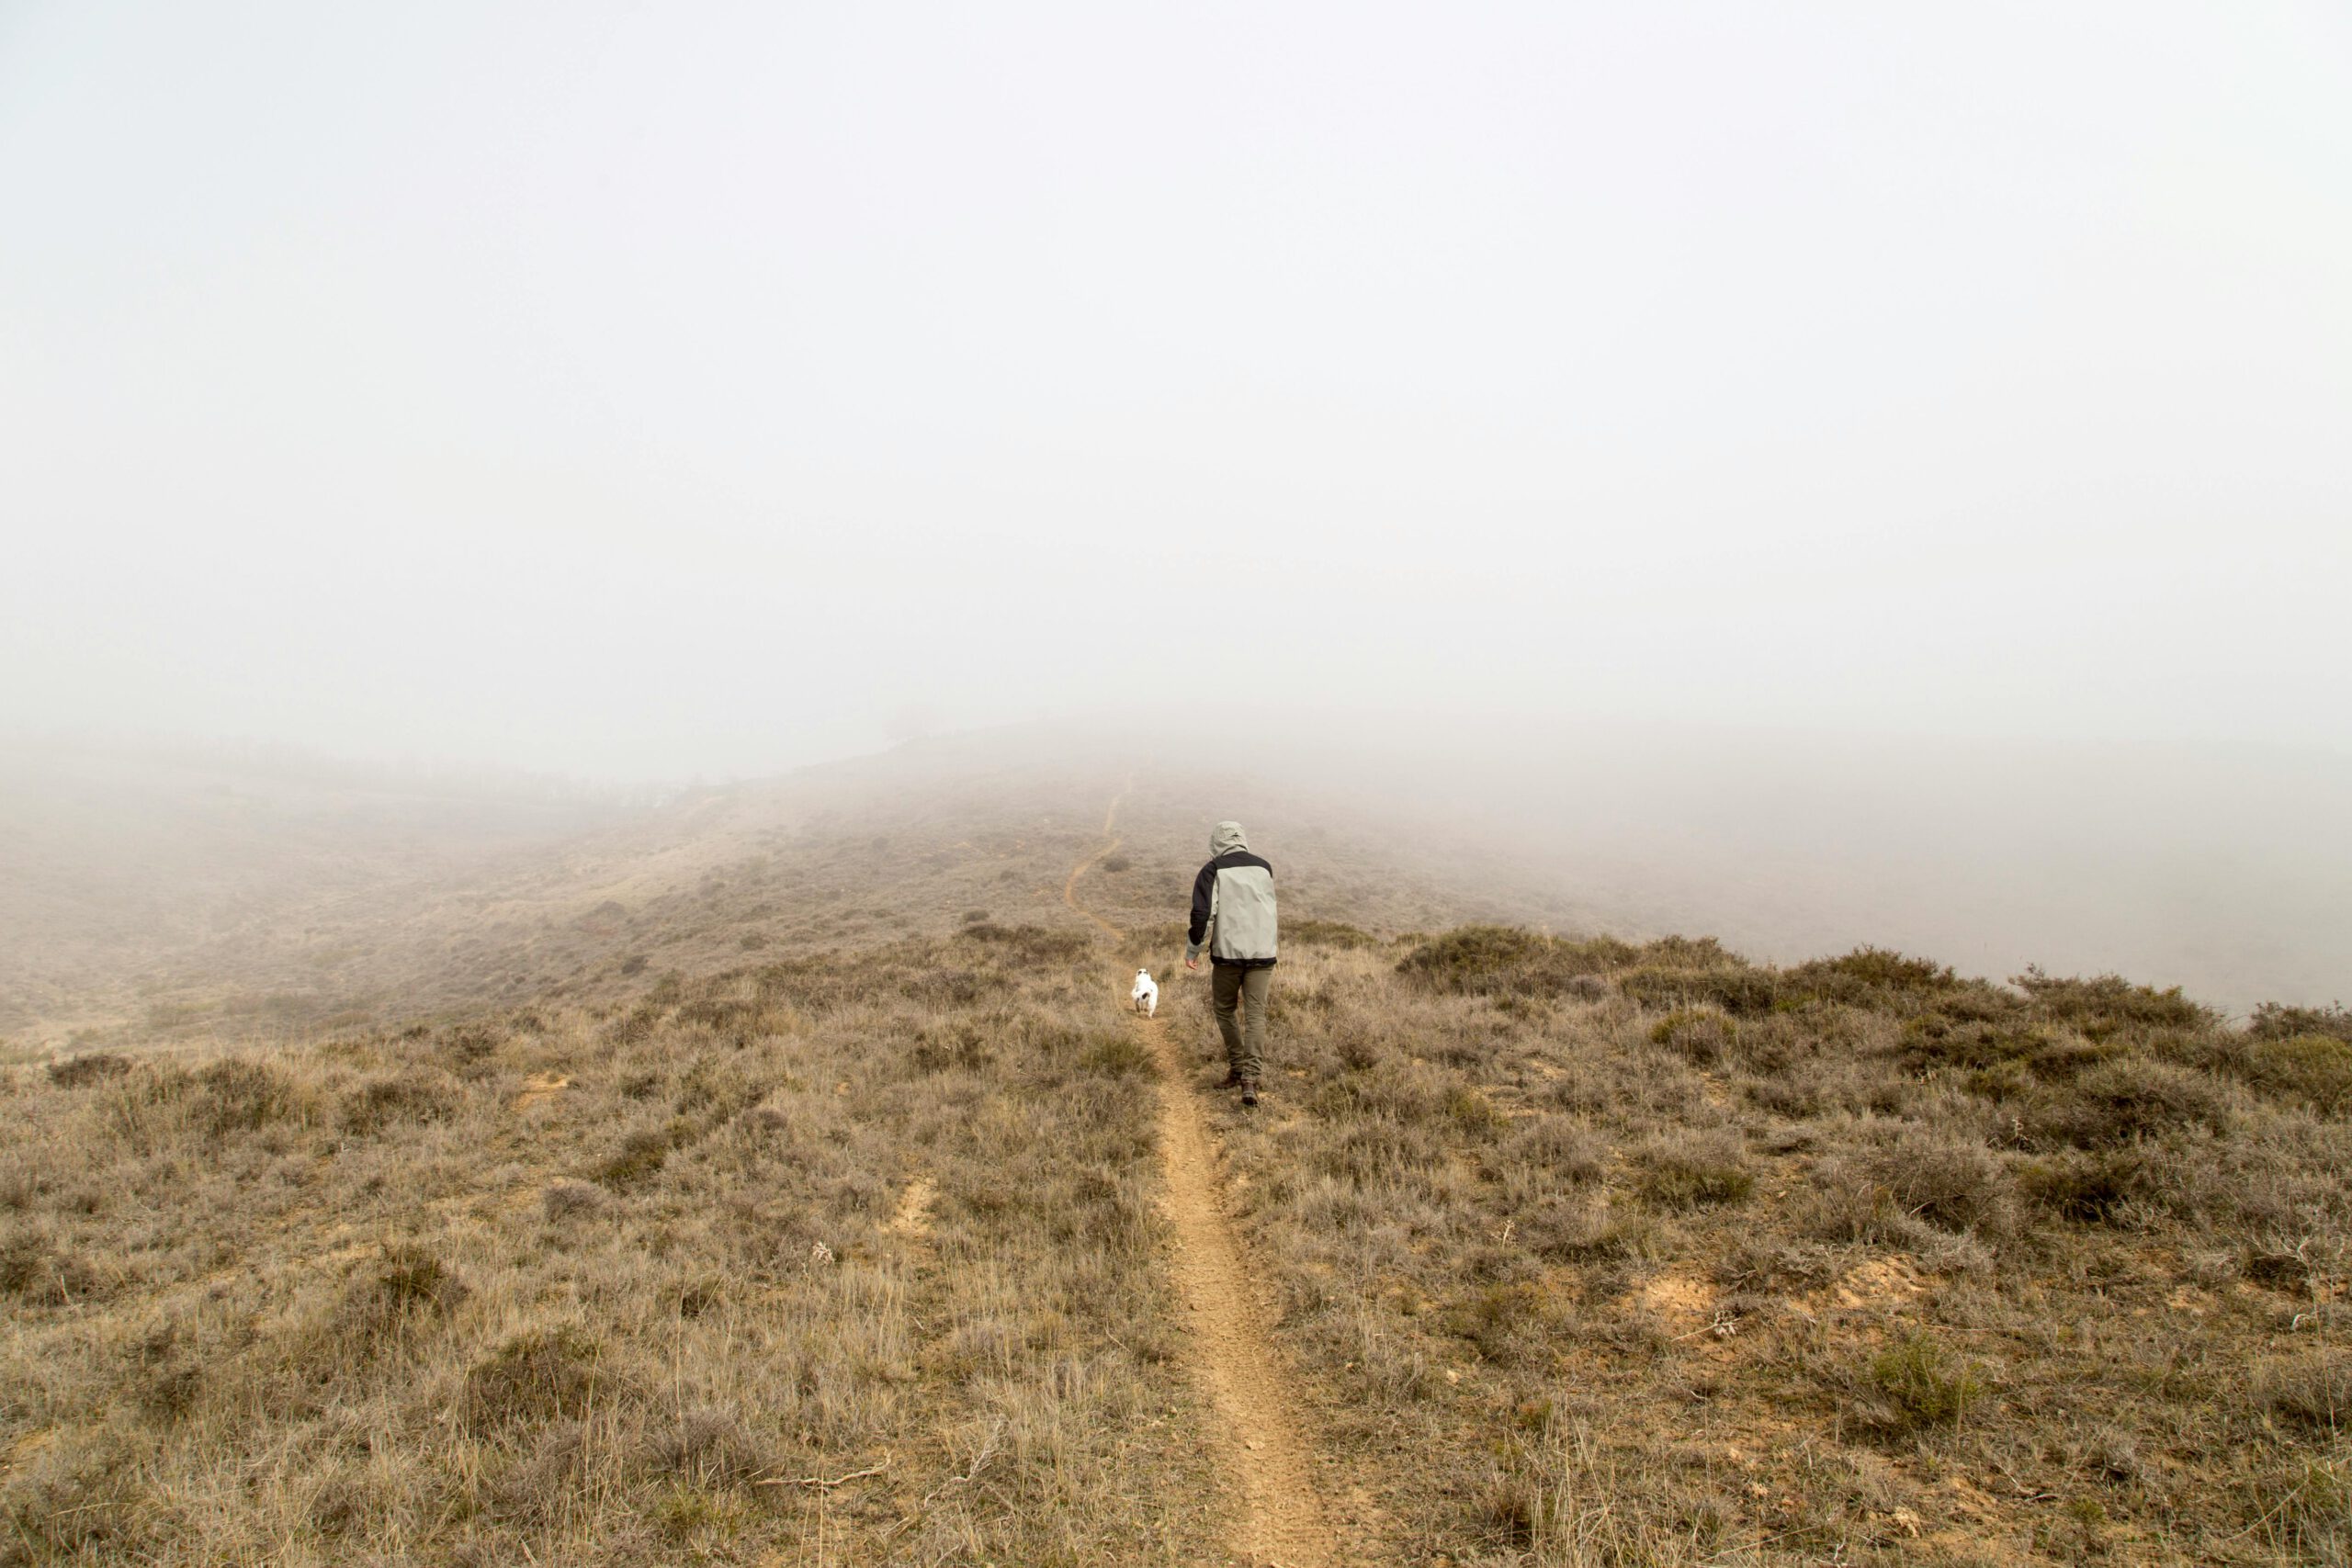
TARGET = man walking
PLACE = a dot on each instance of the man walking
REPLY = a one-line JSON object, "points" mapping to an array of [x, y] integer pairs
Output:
{"points": [[1235, 893]]}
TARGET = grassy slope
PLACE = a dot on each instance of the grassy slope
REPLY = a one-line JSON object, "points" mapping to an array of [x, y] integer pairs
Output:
{"points": [[399, 1298], [1643, 1255], [350, 922], [1590, 1253], [146, 881]]}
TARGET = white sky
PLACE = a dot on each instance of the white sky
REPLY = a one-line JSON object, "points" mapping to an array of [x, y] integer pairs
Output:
{"points": [[645, 390]]}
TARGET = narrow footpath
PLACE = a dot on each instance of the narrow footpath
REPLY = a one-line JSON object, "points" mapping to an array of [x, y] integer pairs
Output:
{"points": [[1268, 1462]]}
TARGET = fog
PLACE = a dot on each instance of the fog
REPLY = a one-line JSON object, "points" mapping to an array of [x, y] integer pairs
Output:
{"points": [[2222, 870], [642, 393]]}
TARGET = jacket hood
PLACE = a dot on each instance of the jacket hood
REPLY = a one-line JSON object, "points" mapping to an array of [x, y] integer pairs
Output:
{"points": [[1225, 838]]}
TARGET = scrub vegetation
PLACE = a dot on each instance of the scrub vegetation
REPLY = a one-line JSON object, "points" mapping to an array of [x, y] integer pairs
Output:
{"points": [[843, 1244], [633, 1283], [1645, 1254]]}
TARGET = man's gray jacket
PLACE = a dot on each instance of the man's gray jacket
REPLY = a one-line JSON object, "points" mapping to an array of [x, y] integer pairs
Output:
{"points": [[1234, 892]]}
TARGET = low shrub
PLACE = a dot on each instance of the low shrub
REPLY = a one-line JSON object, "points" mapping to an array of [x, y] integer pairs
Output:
{"points": [[32, 1270], [98, 1066], [1373, 1150], [1507, 961], [2089, 1187], [1119, 1055], [388, 1101], [2064, 1056], [1701, 1034], [1026, 944], [468, 1044], [1848, 1202], [405, 1288], [2312, 1393], [539, 1487], [2275, 1020], [572, 1199], [1937, 1040], [2310, 1069], [958, 1045], [1327, 933], [1406, 1091], [1560, 1145], [238, 1095], [1588, 1231], [642, 1153], [1874, 977], [1505, 1321], [2107, 1004], [1775, 1045], [1694, 1171], [708, 1448], [1734, 989], [1684, 952], [542, 1375], [1917, 1384], [1949, 1183], [2122, 1100], [1486, 960]]}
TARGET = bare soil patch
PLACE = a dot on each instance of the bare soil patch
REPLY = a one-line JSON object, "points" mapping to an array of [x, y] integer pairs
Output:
{"points": [[912, 1216], [540, 1087]]}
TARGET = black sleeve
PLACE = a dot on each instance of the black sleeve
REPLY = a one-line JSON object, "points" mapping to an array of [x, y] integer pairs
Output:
{"points": [[1203, 886]]}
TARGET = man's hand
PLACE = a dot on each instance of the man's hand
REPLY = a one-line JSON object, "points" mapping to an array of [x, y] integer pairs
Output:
{"points": [[1194, 964]]}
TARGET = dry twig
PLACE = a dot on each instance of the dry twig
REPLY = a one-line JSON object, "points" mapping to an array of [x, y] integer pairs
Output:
{"points": [[822, 1483]]}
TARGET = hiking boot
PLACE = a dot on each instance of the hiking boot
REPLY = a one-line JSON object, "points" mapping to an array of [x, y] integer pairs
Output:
{"points": [[1249, 1094], [1232, 1078]]}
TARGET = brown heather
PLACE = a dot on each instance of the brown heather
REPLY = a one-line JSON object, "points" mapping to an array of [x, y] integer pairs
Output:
{"points": [[1856, 1261], [847, 1246], [350, 1303]]}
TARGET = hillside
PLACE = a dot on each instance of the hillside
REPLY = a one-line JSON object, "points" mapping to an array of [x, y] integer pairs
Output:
{"points": [[783, 1180], [186, 907], [148, 887]]}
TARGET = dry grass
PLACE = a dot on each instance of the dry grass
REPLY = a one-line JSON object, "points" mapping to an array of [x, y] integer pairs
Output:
{"points": [[350, 1303], [802, 1210], [280, 926], [1856, 1261]]}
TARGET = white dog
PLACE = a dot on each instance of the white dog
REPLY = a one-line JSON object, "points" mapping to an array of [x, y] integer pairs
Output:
{"points": [[1147, 993]]}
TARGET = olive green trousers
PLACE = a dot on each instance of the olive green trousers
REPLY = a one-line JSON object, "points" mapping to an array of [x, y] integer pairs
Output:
{"points": [[1239, 997]]}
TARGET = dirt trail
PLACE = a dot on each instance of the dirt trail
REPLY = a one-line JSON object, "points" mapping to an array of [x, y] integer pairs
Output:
{"points": [[913, 1217], [1109, 847], [1281, 1520]]}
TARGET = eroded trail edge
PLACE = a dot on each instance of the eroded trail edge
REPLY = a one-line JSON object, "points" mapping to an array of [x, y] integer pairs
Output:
{"points": [[1280, 1519]]}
